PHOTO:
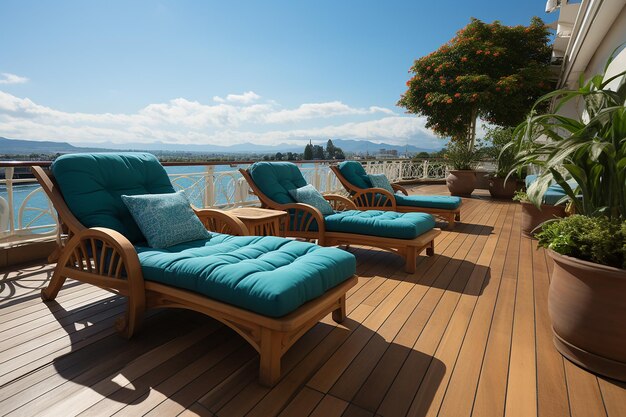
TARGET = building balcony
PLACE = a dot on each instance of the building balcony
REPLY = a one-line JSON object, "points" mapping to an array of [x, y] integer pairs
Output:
{"points": [[467, 334]]}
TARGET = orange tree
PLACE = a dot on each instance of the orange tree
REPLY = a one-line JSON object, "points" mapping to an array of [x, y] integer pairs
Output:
{"points": [[490, 71]]}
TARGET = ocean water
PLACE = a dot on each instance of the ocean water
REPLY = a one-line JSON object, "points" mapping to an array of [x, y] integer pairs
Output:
{"points": [[37, 210]]}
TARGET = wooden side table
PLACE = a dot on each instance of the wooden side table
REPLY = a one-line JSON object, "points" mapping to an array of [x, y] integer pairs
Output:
{"points": [[260, 222]]}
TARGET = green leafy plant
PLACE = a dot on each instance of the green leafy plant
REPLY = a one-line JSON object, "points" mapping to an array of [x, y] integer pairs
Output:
{"points": [[520, 196], [487, 70], [594, 239], [591, 148], [497, 139], [461, 156]]}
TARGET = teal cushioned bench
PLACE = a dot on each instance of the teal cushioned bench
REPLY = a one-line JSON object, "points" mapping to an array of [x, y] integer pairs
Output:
{"points": [[429, 201], [355, 174], [275, 179], [554, 193], [268, 275], [380, 223]]}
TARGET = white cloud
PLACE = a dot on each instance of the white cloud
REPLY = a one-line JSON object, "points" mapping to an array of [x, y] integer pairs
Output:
{"points": [[321, 110], [245, 98], [8, 78], [222, 122]]}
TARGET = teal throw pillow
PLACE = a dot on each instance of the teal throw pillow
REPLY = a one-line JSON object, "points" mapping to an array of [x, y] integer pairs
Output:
{"points": [[165, 219], [380, 181], [309, 195]]}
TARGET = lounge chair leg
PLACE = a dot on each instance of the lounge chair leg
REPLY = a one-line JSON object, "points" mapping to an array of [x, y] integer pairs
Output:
{"points": [[56, 282], [410, 261], [130, 323], [457, 217], [270, 351], [430, 250], [339, 315]]}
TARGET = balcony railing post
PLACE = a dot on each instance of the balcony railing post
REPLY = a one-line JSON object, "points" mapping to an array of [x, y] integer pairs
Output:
{"points": [[8, 175], [425, 169], [316, 175], [209, 186]]}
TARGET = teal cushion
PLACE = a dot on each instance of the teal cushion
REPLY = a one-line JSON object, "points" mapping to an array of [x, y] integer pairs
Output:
{"points": [[165, 219], [380, 223], [554, 193], [429, 201], [267, 275], [275, 179], [92, 185], [355, 174], [309, 195], [380, 181]]}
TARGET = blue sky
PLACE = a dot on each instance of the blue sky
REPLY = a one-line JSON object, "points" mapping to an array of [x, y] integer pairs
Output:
{"points": [[223, 72]]}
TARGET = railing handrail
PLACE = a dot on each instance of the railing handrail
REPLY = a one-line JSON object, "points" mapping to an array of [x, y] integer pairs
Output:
{"points": [[14, 164]]}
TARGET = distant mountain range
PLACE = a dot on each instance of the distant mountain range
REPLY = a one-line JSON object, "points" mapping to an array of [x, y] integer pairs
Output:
{"points": [[21, 146]]}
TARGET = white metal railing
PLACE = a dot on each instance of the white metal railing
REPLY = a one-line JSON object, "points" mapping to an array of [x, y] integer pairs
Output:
{"points": [[27, 214]]}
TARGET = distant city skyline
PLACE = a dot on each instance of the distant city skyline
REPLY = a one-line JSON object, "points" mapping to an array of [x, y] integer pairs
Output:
{"points": [[223, 73]]}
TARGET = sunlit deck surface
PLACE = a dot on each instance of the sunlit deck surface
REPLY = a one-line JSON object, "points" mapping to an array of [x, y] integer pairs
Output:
{"points": [[468, 334]]}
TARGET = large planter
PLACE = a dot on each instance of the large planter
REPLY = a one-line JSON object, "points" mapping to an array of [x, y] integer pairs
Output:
{"points": [[532, 217], [499, 189], [588, 312], [461, 183]]}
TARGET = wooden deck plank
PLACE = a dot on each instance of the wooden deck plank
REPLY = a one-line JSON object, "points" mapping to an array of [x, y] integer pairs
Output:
{"points": [[374, 389], [491, 393], [467, 334], [421, 358], [584, 392], [433, 387], [355, 376], [330, 407], [521, 393], [303, 403], [552, 399], [461, 389], [614, 396]]}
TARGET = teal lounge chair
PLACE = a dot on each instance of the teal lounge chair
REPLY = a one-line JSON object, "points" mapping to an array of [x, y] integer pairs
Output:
{"points": [[355, 180], [406, 234], [270, 290]]}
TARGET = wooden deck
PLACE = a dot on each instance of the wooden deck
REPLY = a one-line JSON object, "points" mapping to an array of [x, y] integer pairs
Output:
{"points": [[468, 334]]}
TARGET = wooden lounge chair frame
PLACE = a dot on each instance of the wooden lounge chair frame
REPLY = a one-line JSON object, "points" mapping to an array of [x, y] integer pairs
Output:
{"points": [[381, 199], [105, 258], [306, 217]]}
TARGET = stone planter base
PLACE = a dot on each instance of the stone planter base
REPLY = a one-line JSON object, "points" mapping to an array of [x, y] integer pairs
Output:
{"points": [[532, 217], [586, 305], [461, 183], [498, 189]]}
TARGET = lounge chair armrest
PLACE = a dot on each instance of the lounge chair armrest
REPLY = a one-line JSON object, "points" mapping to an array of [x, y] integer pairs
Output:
{"points": [[398, 187], [375, 199], [303, 217], [221, 222], [99, 244], [339, 202]]}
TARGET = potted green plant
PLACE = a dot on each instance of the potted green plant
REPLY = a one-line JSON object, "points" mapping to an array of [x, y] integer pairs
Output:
{"points": [[588, 285], [499, 185], [461, 158], [533, 217]]}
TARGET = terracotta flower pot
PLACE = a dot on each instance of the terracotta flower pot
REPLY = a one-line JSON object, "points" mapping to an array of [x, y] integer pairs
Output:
{"points": [[532, 217], [587, 308], [498, 189], [461, 183]]}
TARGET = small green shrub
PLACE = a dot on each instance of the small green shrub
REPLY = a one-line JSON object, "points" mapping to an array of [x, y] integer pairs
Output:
{"points": [[594, 239], [520, 196]]}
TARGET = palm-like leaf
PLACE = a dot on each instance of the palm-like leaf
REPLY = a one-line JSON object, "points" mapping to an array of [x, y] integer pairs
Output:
{"points": [[591, 150]]}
